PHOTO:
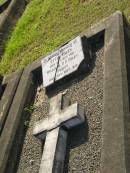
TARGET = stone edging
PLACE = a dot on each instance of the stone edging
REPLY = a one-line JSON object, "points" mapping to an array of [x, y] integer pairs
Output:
{"points": [[116, 102], [8, 95]]}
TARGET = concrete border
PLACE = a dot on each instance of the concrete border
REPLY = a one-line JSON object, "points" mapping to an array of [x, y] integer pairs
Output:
{"points": [[116, 103], [8, 95], [22, 96]]}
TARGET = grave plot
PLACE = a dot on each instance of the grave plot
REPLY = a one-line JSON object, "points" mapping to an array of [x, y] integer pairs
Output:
{"points": [[44, 132], [87, 90]]}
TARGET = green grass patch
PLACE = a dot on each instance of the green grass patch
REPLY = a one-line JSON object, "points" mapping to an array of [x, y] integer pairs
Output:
{"points": [[2, 1], [46, 24]]}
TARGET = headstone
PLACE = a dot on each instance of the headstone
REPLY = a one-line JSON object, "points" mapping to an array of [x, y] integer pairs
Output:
{"points": [[56, 136], [62, 62]]}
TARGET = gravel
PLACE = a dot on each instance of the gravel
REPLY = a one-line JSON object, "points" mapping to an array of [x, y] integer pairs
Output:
{"points": [[84, 156], [32, 147], [84, 143]]}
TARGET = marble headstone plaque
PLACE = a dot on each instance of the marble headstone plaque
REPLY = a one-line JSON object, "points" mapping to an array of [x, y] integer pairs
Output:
{"points": [[62, 62]]}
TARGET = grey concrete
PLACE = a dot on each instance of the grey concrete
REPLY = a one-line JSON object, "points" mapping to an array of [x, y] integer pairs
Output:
{"points": [[116, 103], [21, 99], [55, 142], [8, 95]]}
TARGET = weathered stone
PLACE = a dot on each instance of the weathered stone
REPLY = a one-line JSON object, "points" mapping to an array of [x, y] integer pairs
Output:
{"points": [[70, 116], [54, 151]]}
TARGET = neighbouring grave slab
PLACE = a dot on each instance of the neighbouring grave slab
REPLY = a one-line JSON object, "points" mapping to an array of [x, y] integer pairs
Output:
{"points": [[7, 139], [9, 85]]}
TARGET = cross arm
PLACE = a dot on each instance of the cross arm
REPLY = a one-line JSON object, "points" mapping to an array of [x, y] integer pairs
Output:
{"points": [[68, 117]]}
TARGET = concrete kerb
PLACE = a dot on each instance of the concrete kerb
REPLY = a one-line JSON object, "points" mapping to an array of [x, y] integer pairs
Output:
{"points": [[8, 95], [22, 96], [116, 103], [116, 88]]}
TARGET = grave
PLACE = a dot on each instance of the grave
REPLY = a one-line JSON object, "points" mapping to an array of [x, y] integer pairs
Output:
{"points": [[41, 130]]}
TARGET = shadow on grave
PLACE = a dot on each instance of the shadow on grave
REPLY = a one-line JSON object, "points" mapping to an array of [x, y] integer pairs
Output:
{"points": [[127, 117], [127, 49], [95, 43], [78, 135]]}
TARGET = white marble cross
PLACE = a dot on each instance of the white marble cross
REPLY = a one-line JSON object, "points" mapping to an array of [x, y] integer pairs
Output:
{"points": [[54, 131]]}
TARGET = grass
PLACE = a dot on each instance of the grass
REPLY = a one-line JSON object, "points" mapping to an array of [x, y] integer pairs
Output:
{"points": [[46, 24], [2, 1]]}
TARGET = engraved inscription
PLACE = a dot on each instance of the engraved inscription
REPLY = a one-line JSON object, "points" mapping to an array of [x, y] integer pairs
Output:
{"points": [[62, 62]]}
